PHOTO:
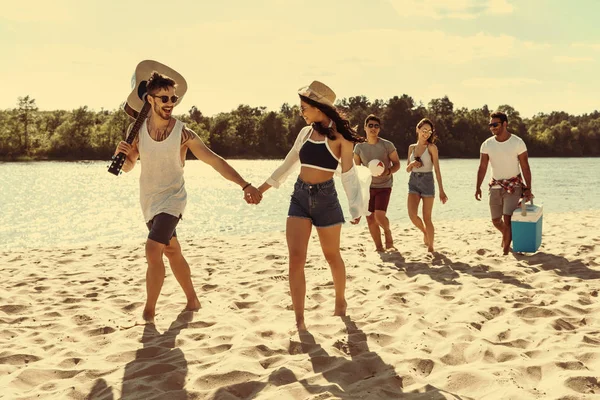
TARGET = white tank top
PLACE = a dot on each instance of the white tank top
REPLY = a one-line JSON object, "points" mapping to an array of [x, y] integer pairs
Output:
{"points": [[425, 160], [162, 188]]}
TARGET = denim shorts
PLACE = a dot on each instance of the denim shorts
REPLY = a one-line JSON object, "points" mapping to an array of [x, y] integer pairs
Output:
{"points": [[421, 183], [316, 202]]}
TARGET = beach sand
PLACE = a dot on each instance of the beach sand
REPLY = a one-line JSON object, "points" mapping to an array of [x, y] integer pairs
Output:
{"points": [[464, 323]]}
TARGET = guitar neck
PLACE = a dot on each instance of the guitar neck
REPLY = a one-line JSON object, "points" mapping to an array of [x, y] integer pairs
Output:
{"points": [[138, 123], [118, 160]]}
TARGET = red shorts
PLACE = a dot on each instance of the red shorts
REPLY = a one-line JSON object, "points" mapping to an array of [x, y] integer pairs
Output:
{"points": [[379, 199]]}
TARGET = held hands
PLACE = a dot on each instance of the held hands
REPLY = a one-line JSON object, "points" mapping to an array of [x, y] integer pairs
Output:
{"points": [[355, 221], [252, 195]]}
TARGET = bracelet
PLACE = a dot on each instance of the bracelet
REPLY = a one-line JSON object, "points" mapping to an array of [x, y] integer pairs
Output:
{"points": [[248, 184]]}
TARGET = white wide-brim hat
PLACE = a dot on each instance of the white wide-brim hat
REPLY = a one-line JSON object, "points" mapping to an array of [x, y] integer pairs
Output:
{"points": [[140, 77]]}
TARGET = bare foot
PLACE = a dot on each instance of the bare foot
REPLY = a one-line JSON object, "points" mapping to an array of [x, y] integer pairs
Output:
{"points": [[193, 305], [301, 325], [148, 315], [340, 309], [380, 249]]}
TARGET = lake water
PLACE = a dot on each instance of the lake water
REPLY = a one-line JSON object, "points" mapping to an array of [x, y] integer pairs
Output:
{"points": [[46, 204]]}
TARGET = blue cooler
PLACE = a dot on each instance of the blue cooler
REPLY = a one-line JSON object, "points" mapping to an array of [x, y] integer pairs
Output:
{"points": [[527, 229]]}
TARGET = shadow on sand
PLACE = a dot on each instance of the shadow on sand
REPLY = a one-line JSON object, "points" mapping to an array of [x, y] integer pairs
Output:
{"points": [[558, 264], [362, 376], [450, 269], [158, 370]]}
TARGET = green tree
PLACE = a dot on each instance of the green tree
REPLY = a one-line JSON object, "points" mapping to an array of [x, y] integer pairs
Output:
{"points": [[26, 116]]}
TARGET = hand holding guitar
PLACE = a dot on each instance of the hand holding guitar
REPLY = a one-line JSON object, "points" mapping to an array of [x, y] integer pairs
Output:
{"points": [[123, 147]]}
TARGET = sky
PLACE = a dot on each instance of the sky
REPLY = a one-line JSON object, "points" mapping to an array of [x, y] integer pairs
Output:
{"points": [[535, 55]]}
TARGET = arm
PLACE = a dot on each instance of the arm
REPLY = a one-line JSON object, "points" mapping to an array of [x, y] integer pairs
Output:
{"points": [[524, 162], [131, 151], [290, 161], [357, 159], [395, 159], [484, 159], [410, 165], [433, 150], [350, 181], [203, 153]]}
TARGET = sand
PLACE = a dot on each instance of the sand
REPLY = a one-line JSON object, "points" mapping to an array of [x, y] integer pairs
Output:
{"points": [[463, 323]]}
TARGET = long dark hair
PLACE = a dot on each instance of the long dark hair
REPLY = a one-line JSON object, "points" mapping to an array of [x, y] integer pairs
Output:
{"points": [[433, 137], [342, 125]]}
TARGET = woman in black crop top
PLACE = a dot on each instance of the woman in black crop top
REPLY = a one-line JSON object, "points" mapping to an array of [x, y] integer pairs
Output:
{"points": [[320, 147]]}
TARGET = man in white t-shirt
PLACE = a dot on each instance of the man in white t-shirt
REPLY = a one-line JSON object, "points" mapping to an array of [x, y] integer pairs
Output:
{"points": [[511, 176]]}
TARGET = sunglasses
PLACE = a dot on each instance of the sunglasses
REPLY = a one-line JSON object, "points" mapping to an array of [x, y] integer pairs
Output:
{"points": [[494, 124], [376, 126], [165, 99]]}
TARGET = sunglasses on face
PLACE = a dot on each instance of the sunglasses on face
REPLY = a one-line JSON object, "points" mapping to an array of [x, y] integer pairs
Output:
{"points": [[494, 124], [165, 99], [376, 126]]}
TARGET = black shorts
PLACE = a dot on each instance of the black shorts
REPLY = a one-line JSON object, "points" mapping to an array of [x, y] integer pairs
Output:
{"points": [[162, 228]]}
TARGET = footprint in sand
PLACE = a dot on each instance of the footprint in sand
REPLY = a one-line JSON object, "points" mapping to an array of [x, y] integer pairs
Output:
{"points": [[583, 384], [571, 365], [13, 308], [19, 359]]}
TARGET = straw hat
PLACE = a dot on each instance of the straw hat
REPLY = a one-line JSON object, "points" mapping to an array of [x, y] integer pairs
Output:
{"points": [[319, 92], [140, 77]]}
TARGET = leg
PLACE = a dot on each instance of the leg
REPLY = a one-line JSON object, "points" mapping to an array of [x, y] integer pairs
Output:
{"points": [[155, 276], [384, 222], [413, 208], [509, 204], [507, 234], [496, 206], [429, 229], [375, 232], [182, 273], [297, 232], [373, 226], [330, 244]]}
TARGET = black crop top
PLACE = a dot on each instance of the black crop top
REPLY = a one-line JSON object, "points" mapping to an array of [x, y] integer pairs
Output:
{"points": [[318, 155]]}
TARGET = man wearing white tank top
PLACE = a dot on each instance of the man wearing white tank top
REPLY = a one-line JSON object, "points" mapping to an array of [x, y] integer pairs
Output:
{"points": [[511, 175], [162, 144]]}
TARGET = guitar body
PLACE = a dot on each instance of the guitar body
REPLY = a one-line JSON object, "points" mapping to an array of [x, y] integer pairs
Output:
{"points": [[137, 106]]}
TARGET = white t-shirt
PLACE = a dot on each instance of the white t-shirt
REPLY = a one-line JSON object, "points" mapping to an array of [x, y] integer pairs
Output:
{"points": [[504, 156]]}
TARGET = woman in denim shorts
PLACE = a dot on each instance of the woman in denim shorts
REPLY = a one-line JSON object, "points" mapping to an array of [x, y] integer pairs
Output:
{"points": [[320, 147], [421, 161]]}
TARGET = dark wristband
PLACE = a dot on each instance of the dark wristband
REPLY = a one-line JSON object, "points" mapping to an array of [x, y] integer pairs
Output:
{"points": [[248, 184]]}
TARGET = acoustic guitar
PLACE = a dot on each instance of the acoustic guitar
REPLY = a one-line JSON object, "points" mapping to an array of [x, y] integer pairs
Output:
{"points": [[137, 105]]}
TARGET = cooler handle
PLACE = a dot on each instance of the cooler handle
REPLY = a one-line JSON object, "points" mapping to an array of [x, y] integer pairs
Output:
{"points": [[524, 207]]}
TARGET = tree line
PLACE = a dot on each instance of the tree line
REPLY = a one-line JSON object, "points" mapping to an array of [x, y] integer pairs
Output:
{"points": [[253, 132]]}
